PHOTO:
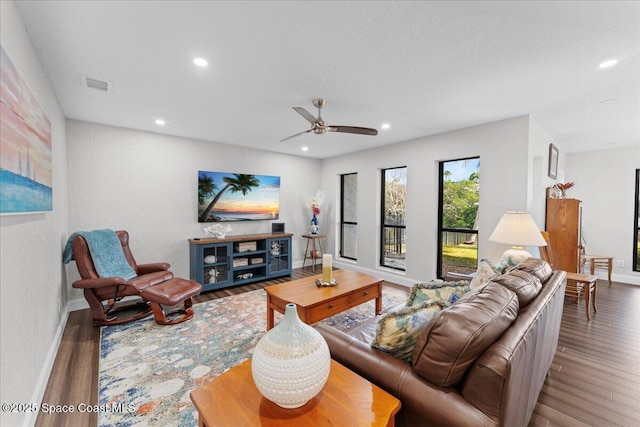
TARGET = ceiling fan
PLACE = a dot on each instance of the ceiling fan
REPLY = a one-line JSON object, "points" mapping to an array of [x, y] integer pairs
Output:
{"points": [[319, 126]]}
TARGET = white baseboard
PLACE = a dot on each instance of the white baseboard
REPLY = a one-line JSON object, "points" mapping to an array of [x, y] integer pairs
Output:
{"points": [[43, 379], [630, 279], [383, 273]]}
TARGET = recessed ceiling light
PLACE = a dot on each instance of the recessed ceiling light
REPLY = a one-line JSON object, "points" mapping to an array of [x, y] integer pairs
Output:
{"points": [[385, 126], [609, 63], [201, 62], [160, 122], [305, 148]]}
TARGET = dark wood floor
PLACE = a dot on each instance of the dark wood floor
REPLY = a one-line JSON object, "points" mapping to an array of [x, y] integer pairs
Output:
{"points": [[594, 381]]}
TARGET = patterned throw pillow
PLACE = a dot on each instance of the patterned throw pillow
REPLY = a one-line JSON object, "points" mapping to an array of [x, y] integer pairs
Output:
{"points": [[444, 293], [487, 271], [397, 332]]}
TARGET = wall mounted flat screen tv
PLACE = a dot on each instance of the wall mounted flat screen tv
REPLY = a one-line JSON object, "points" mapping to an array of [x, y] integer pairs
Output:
{"points": [[226, 196]]}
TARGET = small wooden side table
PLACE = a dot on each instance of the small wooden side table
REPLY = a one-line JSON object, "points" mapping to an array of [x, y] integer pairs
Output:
{"points": [[347, 399], [314, 253], [598, 261]]}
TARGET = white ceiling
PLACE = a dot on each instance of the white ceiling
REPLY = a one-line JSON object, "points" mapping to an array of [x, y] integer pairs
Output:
{"points": [[423, 67]]}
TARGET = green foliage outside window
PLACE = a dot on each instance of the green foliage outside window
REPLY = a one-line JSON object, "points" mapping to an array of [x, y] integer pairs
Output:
{"points": [[460, 203]]}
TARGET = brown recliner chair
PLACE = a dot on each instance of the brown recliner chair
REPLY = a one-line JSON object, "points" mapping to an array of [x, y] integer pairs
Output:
{"points": [[154, 286]]}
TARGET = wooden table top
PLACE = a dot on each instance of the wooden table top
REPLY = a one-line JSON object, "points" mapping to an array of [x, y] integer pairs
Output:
{"points": [[314, 236], [232, 399], [305, 293]]}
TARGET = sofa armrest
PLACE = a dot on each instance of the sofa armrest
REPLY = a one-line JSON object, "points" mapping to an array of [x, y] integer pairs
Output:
{"points": [[152, 268], [99, 283], [421, 400]]}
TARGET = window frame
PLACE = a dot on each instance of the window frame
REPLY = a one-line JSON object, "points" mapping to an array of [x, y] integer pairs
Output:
{"points": [[441, 230], [636, 230], [383, 226], [343, 221]]}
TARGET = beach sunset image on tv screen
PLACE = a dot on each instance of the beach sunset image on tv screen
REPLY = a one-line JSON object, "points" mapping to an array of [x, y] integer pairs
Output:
{"points": [[226, 196]]}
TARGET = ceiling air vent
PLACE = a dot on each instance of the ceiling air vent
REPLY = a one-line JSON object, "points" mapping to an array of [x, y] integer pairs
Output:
{"points": [[96, 84]]}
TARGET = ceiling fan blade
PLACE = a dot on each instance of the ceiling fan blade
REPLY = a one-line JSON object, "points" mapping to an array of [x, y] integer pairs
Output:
{"points": [[295, 135], [353, 129], [307, 115]]}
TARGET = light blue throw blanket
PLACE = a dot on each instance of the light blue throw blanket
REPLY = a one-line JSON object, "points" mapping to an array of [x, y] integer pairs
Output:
{"points": [[106, 252]]}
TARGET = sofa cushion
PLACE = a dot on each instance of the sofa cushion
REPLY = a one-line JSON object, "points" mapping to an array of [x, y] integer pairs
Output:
{"points": [[484, 273], [525, 285], [459, 334], [444, 293], [397, 331], [538, 267]]}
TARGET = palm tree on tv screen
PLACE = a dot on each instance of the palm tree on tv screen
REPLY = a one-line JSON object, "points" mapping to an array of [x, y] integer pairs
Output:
{"points": [[206, 187], [242, 183]]}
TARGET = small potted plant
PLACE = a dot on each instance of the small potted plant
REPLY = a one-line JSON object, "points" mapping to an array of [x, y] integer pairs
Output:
{"points": [[563, 187]]}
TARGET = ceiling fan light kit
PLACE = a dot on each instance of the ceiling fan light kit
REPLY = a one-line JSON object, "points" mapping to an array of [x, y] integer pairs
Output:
{"points": [[319, 126]]}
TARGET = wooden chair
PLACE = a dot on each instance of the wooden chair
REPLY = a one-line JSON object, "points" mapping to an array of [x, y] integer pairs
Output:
{"points": [[577, 283]]}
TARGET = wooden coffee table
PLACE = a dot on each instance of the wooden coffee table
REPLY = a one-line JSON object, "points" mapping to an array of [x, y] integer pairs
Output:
{"points": [[347, 399], [316, 303]]}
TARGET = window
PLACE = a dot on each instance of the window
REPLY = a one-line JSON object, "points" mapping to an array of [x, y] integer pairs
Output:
{"points": [[394, 208], [348, 219], [636, 231], [459, 192]]}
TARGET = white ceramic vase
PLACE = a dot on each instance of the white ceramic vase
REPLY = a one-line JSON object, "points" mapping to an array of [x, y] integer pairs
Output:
{"points": [[291, 362]]}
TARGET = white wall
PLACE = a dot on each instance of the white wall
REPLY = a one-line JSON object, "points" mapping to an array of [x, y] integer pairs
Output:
{"points": [[146, 183], [505, 185], [605, 182], [32, 283]]}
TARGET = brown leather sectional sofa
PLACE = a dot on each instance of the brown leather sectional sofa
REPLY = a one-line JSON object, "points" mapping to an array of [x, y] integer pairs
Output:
{"points": [[480, 362]]}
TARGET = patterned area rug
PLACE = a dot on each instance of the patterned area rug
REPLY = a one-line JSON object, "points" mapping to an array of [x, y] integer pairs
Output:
{"points": [[147, 370]]}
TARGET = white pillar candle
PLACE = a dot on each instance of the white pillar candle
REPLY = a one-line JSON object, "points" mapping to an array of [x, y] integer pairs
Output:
{"points": [[327, 272]]}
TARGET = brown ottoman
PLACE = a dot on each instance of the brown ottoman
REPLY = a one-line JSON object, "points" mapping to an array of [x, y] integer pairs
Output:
{"points": [[171, 293]]}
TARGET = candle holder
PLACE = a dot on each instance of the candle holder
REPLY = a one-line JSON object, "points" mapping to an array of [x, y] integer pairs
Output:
{"points": [[327, 268]]}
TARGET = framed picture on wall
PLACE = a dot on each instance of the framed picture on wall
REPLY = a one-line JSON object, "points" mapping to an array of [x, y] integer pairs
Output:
{"points": [[25, 165], [553, 161]]}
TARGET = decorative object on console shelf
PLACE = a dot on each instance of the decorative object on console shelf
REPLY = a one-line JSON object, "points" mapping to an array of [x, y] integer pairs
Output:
{"points": [[213, 275], [275, 247], [277, 227], [291, 362], [218, 231], [517, 229], [553, 161], [239, 262], [245, 246]]}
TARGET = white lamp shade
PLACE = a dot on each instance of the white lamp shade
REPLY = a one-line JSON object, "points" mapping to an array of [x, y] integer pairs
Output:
{"points": [[517, 229]]}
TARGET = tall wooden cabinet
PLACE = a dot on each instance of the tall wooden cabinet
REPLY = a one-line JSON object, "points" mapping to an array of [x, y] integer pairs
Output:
{"points": [[563, 223]]}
